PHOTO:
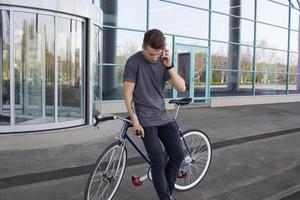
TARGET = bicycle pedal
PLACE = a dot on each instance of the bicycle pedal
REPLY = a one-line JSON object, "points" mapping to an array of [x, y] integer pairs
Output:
{"points": [[181, 174], [136, 181]]}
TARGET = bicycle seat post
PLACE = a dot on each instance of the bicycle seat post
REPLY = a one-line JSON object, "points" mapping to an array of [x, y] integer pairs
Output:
{"points": [[177, 112]]}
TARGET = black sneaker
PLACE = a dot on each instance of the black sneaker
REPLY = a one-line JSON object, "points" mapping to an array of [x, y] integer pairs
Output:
{"points": [[172, 198]]}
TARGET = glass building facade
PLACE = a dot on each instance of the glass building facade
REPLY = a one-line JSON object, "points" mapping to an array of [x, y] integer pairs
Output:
{"points": [[229, 49], [60, 65]]}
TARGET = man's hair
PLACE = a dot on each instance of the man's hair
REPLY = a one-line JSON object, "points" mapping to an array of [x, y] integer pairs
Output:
{"points": [[155, 39]]}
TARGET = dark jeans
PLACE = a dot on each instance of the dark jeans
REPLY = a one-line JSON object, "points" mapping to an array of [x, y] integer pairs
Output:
{"points": [[164, 174]]}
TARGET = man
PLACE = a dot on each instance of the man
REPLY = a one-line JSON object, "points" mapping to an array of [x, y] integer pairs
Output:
{"points": [[144, 81]]}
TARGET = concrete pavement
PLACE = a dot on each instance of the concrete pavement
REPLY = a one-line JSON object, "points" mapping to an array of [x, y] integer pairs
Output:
{"points": [[68, 153]]}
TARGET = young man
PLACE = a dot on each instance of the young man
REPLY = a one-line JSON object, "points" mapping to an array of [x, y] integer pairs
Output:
{"points": [[144, 81]]}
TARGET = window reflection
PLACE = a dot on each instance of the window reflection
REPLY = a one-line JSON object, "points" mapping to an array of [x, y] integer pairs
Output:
{"points": [[4, 69], [294, 18], [117, 91], [34, 68], [70, 87], [264, 7], [198, 4], [294, 41], [270, 83], [179, 20], [118, 50], [46, 53], [267, 36], [97, 80], [270, 61], [220, 81], [129, 13], [294, 76], [246, 6], [219, 22]]}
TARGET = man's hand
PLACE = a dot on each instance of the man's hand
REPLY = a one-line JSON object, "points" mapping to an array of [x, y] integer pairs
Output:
{"points": [[166, 58], [138, 130]]}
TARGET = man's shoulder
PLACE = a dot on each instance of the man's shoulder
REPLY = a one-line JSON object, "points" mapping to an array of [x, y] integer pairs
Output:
{"points": [[135, 57]]}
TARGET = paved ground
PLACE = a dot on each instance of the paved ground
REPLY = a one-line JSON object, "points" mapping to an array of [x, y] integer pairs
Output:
{"points": [[255, 156]]}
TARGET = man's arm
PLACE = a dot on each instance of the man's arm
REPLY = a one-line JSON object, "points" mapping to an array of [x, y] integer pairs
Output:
{"points": [[128, 95], [176, 80]]}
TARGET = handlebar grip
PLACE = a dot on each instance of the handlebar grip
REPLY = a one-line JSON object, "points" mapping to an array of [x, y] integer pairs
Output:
{"points": [[97, 120]]}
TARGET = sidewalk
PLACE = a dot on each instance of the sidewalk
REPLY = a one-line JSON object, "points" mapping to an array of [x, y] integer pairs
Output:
{"points": [[28, 153]]}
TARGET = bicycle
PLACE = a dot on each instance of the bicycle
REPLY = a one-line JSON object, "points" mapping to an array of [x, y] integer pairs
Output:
{"points": [[108, 171]]}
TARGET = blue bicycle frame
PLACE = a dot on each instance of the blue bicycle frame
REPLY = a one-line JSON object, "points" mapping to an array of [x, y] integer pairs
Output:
{"points": [[125, 136]]}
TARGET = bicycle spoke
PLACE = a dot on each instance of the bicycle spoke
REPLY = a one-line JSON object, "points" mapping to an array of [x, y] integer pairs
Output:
{"points": [[197, 148], [106, 177]]}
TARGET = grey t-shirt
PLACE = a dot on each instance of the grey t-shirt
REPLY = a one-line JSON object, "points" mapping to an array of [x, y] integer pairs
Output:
{"points": [[149, 79]]}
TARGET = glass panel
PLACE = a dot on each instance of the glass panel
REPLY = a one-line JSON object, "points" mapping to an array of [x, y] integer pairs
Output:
{"points": [[294, 77], [246, 80], [117, 92], [172, 18], [294, 84], [247, 7], [220, 6], [97, 81], [188, 41], [129, 13], [46, 53], [27, 73], [70, 79], [270, 83], [295, 18], [133, 16], [294, 41], [4, 69], [184, 70], [221, 87], [267, 36], [264, 7], [219, 22], [200, 74], [34, 68], [219, 55], [270, 61], [128, 43], [242, 34], [247, 32], [246, 58], [198, 4]]}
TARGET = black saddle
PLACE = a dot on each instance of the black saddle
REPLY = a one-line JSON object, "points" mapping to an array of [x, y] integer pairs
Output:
{"points": [[183, 101]]}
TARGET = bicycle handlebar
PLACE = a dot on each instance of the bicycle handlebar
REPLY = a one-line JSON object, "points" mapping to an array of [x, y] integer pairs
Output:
{"points": [[97, 120]]}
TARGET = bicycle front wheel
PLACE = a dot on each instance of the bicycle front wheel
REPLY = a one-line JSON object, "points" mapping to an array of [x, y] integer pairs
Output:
{"points": [[107, 173], [197, 148]]}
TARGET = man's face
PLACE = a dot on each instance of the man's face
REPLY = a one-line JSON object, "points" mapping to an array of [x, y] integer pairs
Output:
{"points": [[152, 55]]}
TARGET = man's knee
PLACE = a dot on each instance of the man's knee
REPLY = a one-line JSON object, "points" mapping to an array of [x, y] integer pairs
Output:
{"points": [[158, 160]]}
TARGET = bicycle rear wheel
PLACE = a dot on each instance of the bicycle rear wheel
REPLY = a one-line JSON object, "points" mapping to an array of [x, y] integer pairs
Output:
{"points": [[196, 163], [107, 173]]}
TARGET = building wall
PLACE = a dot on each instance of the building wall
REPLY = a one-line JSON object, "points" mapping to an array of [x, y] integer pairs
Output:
{"points": [[248, 51]]}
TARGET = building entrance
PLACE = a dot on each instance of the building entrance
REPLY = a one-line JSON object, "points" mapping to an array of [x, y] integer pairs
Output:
{"points": [[192, 65]]}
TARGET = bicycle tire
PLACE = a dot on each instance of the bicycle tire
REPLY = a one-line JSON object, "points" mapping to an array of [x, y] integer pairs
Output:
{"points": [[101, 182], [196, 165]]}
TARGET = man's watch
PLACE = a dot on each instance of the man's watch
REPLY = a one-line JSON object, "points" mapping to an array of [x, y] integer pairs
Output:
{"points": [[170, 67]]}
